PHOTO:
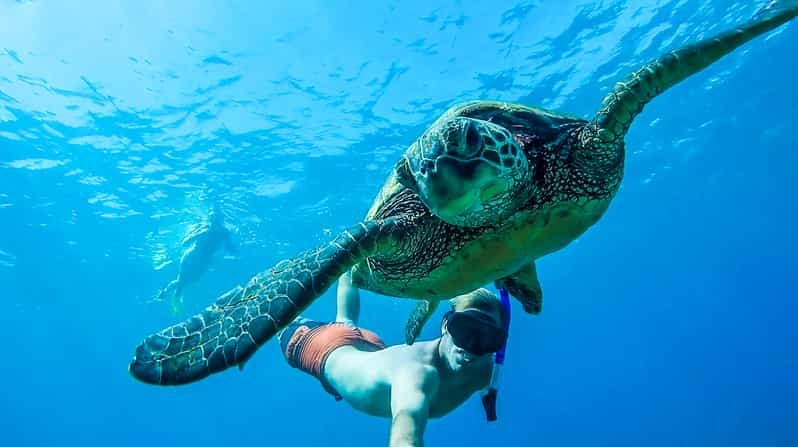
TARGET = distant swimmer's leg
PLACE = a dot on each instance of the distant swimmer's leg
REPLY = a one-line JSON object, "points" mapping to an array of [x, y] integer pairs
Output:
{"points": [[182, 278], [166, 292], [177, 297]]}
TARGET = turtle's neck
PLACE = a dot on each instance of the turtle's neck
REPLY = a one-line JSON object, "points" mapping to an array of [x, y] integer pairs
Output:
{"points": [[596, 165], [566, 171]]}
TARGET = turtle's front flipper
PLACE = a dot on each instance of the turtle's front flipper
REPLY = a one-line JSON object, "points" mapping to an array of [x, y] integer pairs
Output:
{"points": [[418, 318], [628, 98], [524, 286], [229, 331]]}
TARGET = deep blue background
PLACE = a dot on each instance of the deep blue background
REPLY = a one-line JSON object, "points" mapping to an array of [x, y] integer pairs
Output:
{"points": [[670, 322]]}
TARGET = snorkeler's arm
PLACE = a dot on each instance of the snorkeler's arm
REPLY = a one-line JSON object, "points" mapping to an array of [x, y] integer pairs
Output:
{"points": [[348, 302], [411, 392]]}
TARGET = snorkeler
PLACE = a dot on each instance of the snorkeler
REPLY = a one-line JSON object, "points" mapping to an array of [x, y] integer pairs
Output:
{"points": [[407, 383], [199, 247]]}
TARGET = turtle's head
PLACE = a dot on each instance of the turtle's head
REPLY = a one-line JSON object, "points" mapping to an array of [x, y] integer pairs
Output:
{"points": [[468, 172]]}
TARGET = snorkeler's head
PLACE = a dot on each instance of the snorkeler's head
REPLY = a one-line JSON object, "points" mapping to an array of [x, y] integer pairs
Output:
{"points": [[473, 330]]}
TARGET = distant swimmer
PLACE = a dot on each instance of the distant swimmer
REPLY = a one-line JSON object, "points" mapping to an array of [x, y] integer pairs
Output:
{"points": [[199, 246]]}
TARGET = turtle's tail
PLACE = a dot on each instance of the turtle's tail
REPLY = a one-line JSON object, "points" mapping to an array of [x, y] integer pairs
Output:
{"points": [[229, 331], [629, 97]]}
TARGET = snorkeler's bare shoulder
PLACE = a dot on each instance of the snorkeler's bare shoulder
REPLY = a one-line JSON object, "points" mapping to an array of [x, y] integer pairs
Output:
{"points": [[415, 369]]}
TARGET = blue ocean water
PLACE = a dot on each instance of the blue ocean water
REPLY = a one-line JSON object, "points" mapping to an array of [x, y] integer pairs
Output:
{"points": [[670, 322]]}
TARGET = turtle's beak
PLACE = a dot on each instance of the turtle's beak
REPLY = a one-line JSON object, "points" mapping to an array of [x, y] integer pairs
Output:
{"points": [[467, 203], [456, 187]]}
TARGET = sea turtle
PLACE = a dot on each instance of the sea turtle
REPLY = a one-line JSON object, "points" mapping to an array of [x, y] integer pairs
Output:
{"points": [[487, 189]]}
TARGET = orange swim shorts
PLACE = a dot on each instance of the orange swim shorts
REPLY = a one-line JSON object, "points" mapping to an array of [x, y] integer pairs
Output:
{"points": [[307, 343]]}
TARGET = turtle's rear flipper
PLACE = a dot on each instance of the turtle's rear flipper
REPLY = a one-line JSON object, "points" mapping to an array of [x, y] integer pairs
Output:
{"points": [[524, 286], [418, 318], [229, 331]]}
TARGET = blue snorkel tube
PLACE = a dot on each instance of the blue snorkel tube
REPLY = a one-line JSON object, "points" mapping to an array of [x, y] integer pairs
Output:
{"points": [[489, 398]]}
